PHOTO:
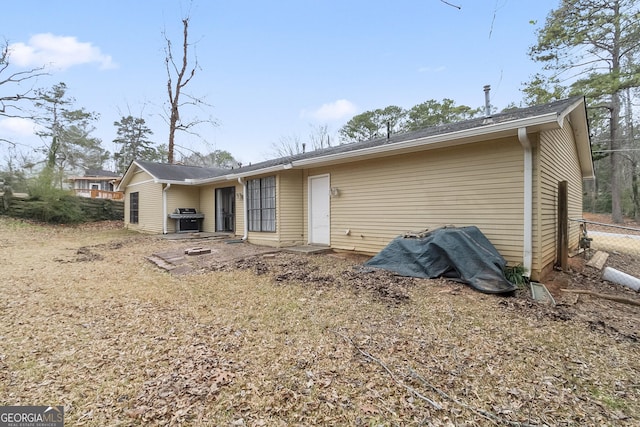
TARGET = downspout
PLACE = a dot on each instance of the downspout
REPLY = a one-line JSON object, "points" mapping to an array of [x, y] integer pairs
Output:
{"points": [[164, 208], [244, 202], [528, 201]]}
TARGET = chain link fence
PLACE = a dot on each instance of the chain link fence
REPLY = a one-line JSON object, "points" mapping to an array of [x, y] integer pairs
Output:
{"points": [[607, 237]]}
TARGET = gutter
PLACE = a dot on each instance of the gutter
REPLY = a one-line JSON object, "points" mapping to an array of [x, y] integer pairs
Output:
{"points": [[528, 201], [447, 139], [549, 120], [164, 208], [246, 209], [171, 181], [234, 176]]}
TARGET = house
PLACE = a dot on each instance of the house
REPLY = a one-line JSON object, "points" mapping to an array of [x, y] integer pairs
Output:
{"points": [[499, 173], [96, 183]]}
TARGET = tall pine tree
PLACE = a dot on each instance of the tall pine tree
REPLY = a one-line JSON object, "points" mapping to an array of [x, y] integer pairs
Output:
{"points": [[134, 142], [589, 46]]}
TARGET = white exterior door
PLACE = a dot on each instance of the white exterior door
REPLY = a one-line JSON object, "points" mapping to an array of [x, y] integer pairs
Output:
{"points": [[319, 210]]}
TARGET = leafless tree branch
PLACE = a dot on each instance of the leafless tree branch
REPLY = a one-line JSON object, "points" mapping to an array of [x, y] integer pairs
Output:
{"points": [[12, 82], [183, 74], [384, 366], [486, 414], [11, 143], [451, 4]]}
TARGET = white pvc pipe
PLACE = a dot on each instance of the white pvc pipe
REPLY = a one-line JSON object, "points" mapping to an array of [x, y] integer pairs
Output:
{"points": [[527, 246], [620, 278]]}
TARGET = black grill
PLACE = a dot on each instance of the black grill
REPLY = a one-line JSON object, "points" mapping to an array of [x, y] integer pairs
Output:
{"points": [[187, 220]]}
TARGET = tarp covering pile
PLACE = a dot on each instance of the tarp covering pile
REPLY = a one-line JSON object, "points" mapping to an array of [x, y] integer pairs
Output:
{"points": [[463, 254]]}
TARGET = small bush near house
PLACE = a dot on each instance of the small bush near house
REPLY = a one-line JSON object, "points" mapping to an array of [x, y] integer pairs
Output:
{"points": [[516, 274]]}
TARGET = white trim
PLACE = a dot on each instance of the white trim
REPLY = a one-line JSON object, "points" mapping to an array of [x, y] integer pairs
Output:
{"points": [[438, 141], [310, 207], [236, 176], [553, 120], [128, 174], [580, 125], [170, 181], [568, 111], [450, 139]]}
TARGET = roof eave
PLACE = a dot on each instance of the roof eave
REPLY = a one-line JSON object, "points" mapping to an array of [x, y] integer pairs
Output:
{"points": [[580, 127], [553, 120], [451, 139], [126, 177], [236, 176], [172, 181], [91, 178]]}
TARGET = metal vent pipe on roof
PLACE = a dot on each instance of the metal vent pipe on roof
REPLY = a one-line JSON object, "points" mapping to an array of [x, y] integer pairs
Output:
{"points": [[487, 101]]}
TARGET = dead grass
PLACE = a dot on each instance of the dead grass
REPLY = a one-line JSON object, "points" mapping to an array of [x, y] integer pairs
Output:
{"points": [[87, 322]]}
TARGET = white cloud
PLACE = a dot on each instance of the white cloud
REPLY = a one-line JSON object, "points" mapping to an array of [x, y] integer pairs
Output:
{"points": [[336, 110], [59, 51], [17, 126]]}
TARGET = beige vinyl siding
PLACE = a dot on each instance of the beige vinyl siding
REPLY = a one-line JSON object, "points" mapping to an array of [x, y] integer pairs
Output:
{"points": [[558, 161], [240, 210], [290, 210], [479, 184], [150, 203], [207, 207], [180, 196]]}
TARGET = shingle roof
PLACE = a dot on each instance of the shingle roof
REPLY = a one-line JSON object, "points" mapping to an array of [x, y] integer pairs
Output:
{"points": [[176, 172], [557, 107], [100, 173]]}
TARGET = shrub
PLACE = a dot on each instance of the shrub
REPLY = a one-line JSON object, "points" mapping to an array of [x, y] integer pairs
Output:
{"points": [[63, 210], [515, 275]]}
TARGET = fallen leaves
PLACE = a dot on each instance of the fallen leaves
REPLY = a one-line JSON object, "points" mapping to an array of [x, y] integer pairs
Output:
{"points": [[184, 388], [248, 340]]}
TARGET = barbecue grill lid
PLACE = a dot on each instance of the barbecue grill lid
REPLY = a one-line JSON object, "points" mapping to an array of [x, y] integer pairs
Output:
{"points": [[185, 210]]}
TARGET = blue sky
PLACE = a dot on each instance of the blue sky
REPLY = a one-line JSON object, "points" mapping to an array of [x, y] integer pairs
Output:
{"points": [[272, 70]]}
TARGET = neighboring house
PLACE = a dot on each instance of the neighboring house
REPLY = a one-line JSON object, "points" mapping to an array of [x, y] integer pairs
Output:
{"points": [[499, 173], [96, 183]]}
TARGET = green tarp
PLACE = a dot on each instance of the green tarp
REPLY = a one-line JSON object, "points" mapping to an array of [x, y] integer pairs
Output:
{"points": [[463, 254]]}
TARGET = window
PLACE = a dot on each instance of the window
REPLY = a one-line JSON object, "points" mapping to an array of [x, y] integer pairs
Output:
{"points": [[261, 204], [133, 208]]}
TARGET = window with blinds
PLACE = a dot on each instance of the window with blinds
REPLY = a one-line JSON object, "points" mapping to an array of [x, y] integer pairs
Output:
{"points": [[261, 204]]}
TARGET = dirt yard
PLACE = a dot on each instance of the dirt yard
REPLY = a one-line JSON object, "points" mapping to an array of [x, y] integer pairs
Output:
{"points": [[240, 337]]}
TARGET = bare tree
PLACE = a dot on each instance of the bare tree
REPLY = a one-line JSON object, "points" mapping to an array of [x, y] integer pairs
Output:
{"points": [[182, 72], [290, 145], [319, 136], [14, 90]]}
